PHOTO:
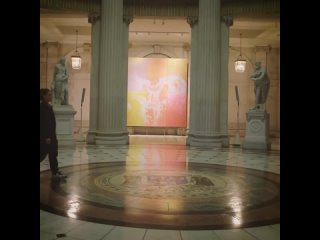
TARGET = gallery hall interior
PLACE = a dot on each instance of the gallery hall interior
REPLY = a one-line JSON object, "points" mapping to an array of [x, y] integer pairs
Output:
{"points": [[167, 119]]}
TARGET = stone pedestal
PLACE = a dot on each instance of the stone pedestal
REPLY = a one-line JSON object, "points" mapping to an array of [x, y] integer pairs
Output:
{"points": [[257, 130], [64, 124]]}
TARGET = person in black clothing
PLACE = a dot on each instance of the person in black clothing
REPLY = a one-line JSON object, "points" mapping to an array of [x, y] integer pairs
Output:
{"points": [[48, 138]]}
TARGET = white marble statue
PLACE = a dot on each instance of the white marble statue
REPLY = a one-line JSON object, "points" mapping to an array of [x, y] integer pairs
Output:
{"points": [[261, 84], [60, 83]]}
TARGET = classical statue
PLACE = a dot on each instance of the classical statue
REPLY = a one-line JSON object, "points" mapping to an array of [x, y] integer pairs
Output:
{"points": [[261, 84], [60, 83]]}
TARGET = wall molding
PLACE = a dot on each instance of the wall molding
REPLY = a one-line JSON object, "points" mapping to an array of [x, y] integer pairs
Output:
{"points": [[170, 8]]}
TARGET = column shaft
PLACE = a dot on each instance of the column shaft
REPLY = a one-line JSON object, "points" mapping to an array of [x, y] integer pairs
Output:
{"points": [[126, 21], [205, 82], [226, 22], [112, 102], [193, 110], [94, 19]]}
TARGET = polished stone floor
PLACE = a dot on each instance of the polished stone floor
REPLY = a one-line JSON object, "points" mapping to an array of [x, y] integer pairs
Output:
{"points": [[157, 188]]}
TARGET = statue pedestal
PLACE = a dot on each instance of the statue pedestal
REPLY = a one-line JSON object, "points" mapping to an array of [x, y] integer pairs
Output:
{"points": [[64, 124], [257, 130]]}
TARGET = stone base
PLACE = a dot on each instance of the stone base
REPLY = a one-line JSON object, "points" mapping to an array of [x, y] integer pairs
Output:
{"points": [[256, 143], [257, 130], [65, 124], [114, 138], [196, 140], [225, 141]]}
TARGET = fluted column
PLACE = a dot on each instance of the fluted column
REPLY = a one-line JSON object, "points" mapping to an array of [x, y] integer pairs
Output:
{"points": [[94, 19], [112, 102], [193, 22], [205, 107], [226, 22], [126, 21]]}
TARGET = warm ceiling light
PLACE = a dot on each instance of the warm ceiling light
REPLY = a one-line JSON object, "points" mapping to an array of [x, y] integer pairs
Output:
{"points": [[240, 63], [76, 59]]}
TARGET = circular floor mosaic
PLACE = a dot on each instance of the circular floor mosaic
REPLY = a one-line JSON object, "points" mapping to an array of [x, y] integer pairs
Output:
{"points": [[196, 196]]}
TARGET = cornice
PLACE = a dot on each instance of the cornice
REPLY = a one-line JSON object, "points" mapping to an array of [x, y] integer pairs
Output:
{"points": [[174, 8]]}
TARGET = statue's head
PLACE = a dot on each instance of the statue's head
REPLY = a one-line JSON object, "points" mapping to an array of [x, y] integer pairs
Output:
{"points": [[258, 64], [62, 60]]}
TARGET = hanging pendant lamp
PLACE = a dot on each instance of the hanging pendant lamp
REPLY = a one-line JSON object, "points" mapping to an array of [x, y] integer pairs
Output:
{"points": [[76, 59], [240, 63]]}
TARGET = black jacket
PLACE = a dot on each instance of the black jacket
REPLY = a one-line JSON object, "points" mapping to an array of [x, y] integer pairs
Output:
{"points": [[47, 122]]}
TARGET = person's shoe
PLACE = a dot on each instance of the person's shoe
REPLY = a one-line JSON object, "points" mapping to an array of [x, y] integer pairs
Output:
{"points": [[55, 178], [63, 178], [58, 177], [61, 174]]}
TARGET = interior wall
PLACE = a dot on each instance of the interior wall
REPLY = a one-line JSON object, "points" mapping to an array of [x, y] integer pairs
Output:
{"points": [[79, 79]]}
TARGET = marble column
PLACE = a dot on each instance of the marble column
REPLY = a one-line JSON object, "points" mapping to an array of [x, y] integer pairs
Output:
{"points": [[204, 129], [193, 95], [112, 92], [94, 19], [226, 22], [126, 21]]}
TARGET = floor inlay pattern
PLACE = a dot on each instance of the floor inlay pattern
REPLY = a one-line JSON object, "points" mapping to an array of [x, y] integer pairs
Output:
{"points": [[180, 196]]}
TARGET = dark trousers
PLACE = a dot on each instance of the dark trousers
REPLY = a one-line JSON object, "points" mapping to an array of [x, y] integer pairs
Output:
{"points": [[51, 150]]}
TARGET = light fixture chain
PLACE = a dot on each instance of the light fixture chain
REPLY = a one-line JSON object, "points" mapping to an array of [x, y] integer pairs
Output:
{"points": [[76, 40], [240, 45]]}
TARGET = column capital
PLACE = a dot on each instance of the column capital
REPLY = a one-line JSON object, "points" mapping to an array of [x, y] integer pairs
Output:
{"points": [[192, 20], [50, 44], [127, 19], [228, 20], [93, 17]]}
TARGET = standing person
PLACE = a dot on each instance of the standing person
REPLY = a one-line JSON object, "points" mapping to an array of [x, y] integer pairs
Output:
{"points": [[261, 84], [60, 82], [48, 138]]}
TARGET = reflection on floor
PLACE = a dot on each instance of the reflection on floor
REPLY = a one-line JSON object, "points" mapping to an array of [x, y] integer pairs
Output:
{"points": [[149, 190]]}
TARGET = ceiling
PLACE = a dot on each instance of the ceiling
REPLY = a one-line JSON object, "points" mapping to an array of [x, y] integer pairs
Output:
{"points": [[61, 27]]}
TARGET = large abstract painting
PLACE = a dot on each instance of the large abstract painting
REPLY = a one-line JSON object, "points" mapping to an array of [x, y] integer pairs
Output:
{"points": [[157, 92]]}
